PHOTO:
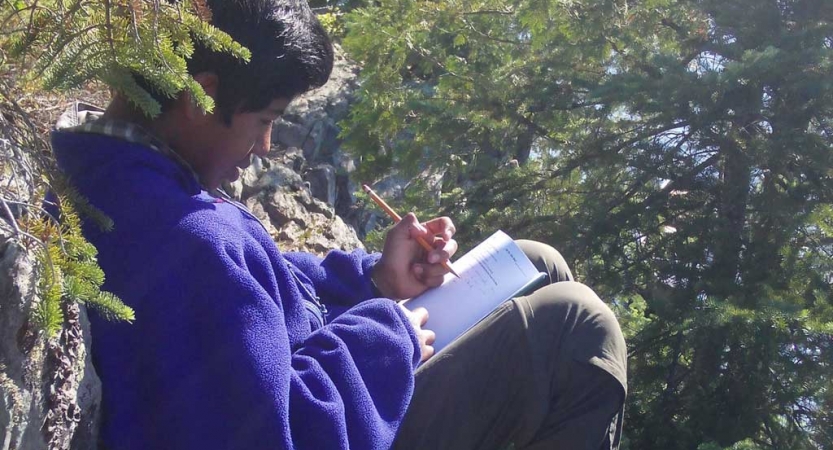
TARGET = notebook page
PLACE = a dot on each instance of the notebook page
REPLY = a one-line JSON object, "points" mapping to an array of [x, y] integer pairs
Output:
{"points": [[489, 274]]}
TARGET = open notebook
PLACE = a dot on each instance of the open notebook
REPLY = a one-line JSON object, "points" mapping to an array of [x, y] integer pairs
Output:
{"points": [[491, 273]]}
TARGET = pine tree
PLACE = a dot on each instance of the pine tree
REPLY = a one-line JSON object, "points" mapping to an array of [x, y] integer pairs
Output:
{"points": [[677, 151]]}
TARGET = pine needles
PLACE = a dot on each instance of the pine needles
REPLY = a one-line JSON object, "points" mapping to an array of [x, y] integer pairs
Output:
{"points": [[69, 43], [65, 44], [68, 268]]}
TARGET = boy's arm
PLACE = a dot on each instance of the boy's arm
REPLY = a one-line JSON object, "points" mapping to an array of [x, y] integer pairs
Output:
{"points": [[403, 270], [227, 373], [342, 278]]}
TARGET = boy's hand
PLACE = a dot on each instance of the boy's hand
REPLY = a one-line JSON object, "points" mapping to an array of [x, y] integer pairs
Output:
{"points": [[406, 269], [418, 317]]}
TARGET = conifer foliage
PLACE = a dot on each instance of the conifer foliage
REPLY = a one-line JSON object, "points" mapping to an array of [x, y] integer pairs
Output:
{"points": [[69, 43], [62, 44], [69, 269], [678, 152]]}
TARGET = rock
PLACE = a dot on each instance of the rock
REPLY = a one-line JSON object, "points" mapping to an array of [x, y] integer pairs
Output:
{"points": [[342, 234], [282, 207], [289, 134], [293, 236], [392, 186], [290, 157], [19, 351], [51, 394], [89, 394], [322, 183], [331, 100], [256, 208], [308, 133], [319, 237], [280, 176]]}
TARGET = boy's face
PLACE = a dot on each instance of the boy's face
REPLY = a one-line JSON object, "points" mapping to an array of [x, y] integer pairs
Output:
{"points": [[223, 150]]}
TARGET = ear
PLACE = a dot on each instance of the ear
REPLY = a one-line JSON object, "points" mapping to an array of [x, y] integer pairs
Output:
{"points": [[209, 82]]}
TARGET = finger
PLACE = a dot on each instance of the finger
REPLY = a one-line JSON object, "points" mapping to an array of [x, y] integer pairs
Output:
{"points": [[427, 352], [441, 226], [434, 281], [442, 250], [430, 274], [421, 315], [429, 336], [413, 227]]}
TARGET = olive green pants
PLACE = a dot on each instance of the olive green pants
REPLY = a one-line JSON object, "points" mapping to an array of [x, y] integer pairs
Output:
{"points": [[544, 371]]}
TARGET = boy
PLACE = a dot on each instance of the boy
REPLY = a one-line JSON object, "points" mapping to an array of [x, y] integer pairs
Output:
{"points": [[237, 345]]}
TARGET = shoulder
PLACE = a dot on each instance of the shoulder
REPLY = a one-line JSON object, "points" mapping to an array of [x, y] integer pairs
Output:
{"points": [[156, 217]]}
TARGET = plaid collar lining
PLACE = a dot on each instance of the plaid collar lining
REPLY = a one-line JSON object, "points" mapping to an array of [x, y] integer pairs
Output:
{"points": [[96, 124]]}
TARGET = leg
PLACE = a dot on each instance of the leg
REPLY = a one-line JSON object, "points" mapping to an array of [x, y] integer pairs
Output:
{"points": [[543, 370], [547, 260], [589, 394], [591, 389], [585, 358]]}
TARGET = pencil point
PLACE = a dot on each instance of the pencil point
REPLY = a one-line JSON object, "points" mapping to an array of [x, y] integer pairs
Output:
{"points": [[454, 272]]}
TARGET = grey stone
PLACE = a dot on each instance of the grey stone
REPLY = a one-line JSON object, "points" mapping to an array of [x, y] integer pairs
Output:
{"points": [[257, 210], [280, 176], [317, 206], [342, 234], [50, 393], [322, 180], [282, 208], [289, 134], [21, 391], [304, 197]]}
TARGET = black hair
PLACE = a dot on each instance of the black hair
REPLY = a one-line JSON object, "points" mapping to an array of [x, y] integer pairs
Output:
{"points": [[291, 54]]}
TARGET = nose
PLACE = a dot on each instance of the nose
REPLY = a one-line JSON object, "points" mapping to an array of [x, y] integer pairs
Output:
{"points": [[263, 142]]}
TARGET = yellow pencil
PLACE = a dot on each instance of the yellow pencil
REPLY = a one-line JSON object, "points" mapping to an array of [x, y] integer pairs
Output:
{"points": [[397, 218]]}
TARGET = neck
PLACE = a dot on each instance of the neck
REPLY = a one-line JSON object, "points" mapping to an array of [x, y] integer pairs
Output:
{"points": [[160, 127], [120, 109], [168, 127]]}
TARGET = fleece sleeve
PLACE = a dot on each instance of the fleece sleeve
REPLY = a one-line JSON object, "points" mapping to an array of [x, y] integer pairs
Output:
{"points": [[341, 278], [210, 364]]}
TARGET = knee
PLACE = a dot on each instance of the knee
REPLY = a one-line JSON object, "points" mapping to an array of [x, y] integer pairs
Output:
{"points": [[575, 314], [573, 302], [546, 259]]}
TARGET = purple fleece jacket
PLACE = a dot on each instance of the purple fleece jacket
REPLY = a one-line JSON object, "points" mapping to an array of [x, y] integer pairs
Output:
{"points": [[222, 354]]}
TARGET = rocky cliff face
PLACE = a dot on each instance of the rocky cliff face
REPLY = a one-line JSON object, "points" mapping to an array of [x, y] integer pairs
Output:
{"points": [[301, 190], [49, 392]]}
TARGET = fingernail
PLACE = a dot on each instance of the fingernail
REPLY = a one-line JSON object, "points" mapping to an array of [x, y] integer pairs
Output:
{"points": [[418, 270], [433, 258]]}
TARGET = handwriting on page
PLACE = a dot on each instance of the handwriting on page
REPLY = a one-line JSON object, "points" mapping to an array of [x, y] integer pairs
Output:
{"points": [[479, 273]]}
